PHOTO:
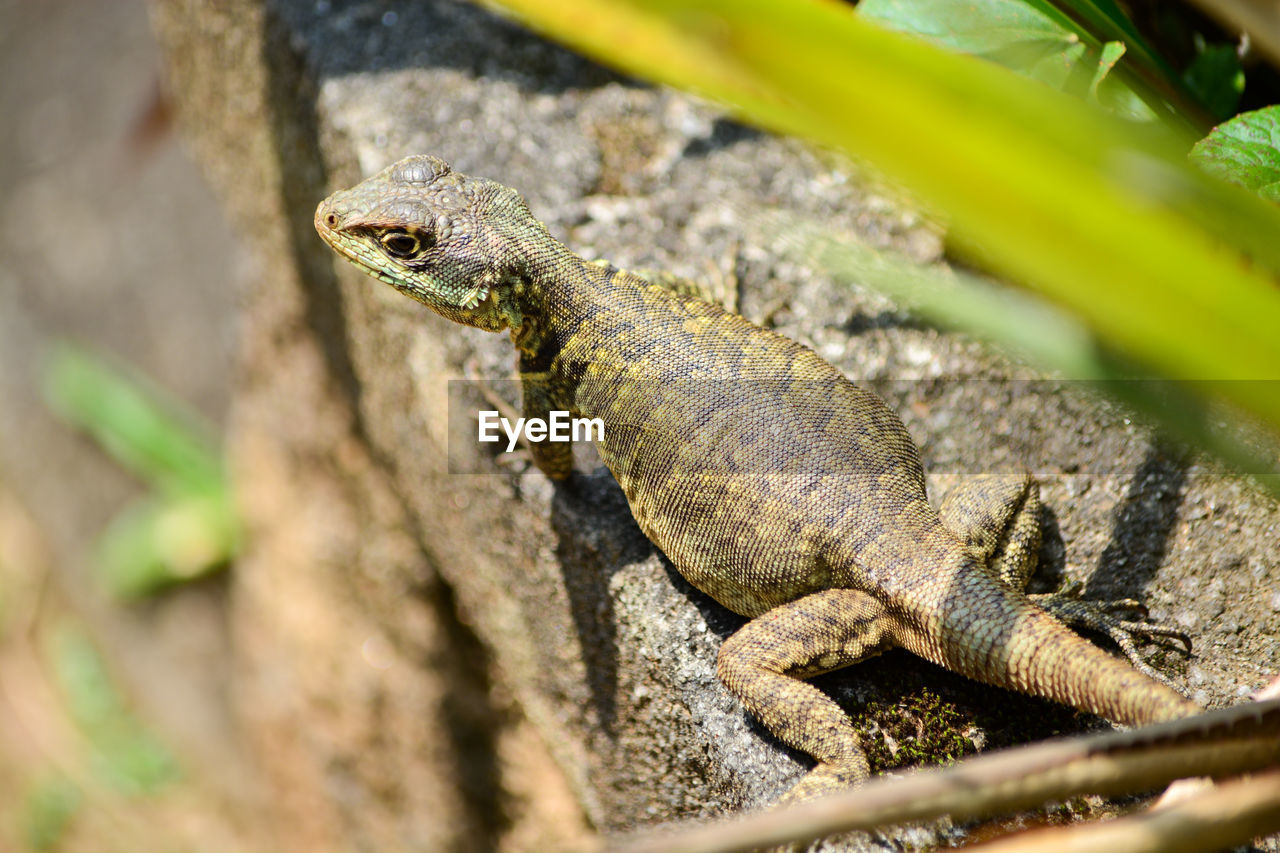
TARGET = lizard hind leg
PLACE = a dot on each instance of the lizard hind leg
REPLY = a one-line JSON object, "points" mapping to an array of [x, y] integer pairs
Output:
{"points": [[764, 665], [997, 517]]}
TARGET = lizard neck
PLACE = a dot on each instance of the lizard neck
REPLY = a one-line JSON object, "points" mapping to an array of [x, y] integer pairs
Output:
{"points": [[558, 292]]}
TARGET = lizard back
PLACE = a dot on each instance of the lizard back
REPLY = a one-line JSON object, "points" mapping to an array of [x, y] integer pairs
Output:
{"points": [[752, 462]]}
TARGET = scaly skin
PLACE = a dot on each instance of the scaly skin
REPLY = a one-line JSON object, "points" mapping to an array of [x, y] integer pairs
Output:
{"points": [[775, 485]]}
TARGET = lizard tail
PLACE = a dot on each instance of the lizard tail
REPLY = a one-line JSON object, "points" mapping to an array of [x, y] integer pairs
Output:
{"points": [[996, 635]]}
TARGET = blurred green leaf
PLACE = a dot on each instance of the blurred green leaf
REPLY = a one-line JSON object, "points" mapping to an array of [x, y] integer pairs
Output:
{"points": [[1038, 42], [146, 432], [82, 678], [48, 807], [1245, 151], [1105, 21], [189, 527], [949, 298], [1217, 79], [1106, 90], [1112, 52], [157, 543], [990, 28], [1071, 45], [125, 755], [1035, 332]]}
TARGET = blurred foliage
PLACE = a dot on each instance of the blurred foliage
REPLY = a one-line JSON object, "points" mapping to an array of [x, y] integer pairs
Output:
{"points": [[123, 754], [1089, 49], [1216, 78], [1062, 48], [186, 527], [1141, 264], [113, 755], [48, 808]]}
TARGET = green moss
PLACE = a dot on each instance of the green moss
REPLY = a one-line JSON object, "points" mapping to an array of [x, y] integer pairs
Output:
{"points": [[920, 729]]}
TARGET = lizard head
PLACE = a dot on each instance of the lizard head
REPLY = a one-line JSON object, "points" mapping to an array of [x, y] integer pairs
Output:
{"points": [[460, 245]]}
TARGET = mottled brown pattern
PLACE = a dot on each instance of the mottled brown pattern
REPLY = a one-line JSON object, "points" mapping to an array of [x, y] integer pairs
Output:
{"points": [[773, 483]]}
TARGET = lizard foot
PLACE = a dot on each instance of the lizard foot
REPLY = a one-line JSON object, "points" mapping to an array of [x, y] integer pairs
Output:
{"points": [[1107, 617]]}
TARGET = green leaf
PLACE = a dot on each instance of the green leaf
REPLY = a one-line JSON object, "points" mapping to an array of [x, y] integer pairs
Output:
{"points": [[1109, 91], [1112, 51], [980, 28], [1012, 33], [1073, 48], [1107, 22], [1245, 151], [1145, 70]]}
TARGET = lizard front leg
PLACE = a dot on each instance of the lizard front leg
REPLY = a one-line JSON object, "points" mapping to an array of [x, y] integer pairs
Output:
{"points": [[763, 664], [997, 516], [553, 458]]}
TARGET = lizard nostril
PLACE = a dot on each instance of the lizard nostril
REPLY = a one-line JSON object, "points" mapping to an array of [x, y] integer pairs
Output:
{"points": [[331, 220]]}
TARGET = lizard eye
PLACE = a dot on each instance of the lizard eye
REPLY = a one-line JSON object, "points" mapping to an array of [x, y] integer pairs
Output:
{"points": [[400, 244]]}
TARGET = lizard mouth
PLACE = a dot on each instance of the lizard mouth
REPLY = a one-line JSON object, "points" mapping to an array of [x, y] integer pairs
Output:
{"points": [[328, 224]]}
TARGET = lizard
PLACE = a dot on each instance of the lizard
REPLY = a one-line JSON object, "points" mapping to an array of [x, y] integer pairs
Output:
{"points": [[774, 484]]}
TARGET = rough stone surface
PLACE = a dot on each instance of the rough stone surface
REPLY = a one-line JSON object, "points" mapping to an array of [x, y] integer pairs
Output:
{"points": [[361, 533]]}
